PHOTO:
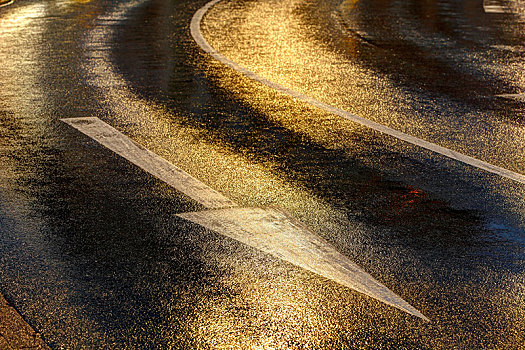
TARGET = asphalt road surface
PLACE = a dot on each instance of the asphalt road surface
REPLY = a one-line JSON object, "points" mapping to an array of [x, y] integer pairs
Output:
{"points": [[382, 142]]}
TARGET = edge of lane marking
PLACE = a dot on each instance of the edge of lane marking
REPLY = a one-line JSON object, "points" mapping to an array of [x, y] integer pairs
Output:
{"points": [[195, 30], [518, 97], [492, 7], [6, 3], [268, 229], [113, 139], [15, 332]]}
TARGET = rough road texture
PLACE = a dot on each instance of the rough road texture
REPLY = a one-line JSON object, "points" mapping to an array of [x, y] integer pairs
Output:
{"points": [[15, 333]]}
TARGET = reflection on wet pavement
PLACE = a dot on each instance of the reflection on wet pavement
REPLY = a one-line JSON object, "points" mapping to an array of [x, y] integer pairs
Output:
{"points": [[90, 242]]}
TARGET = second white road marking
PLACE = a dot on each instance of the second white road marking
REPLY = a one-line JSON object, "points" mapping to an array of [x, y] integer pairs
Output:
{"points": [[267, 229], [274, 232], [492, 6]]}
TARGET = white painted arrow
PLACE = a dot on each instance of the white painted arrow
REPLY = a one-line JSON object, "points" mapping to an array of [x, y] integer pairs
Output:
{"points": [[275, 233], [269, 230]]}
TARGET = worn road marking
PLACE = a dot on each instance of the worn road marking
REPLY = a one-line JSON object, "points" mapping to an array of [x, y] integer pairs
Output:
{"points": [[150, 162], [201, 41], [269, 230], [491, 6], [518, 97], [272, 231], [6, 2]]}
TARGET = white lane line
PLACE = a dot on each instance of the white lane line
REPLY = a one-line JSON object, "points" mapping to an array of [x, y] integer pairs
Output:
{"points": [[2, 3], [272, 231], [518, 97], [492, 7], [199, 39], [269, 230], [150, 162]]}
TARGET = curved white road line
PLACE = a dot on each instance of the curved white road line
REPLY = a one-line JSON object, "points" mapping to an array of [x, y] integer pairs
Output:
{"points": [[201, 41], [2, 4]]}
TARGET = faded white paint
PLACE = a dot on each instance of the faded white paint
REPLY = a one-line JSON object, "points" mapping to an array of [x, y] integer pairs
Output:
{"points": [[150, 162], [272, 231], [518, 97], [491, 6]]}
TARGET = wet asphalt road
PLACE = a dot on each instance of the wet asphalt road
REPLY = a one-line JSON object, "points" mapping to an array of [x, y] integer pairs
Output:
{"points": [[93, 256]]}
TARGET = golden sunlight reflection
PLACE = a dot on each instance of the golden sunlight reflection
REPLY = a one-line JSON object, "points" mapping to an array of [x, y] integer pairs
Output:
{"points": [[191, 148], [25, 136], [348, 5], [264, 303], [273, 40], [269, 39], [303, 63], [21, 17], [255, 301], [271, 304], [18, 19], [20, 69]]}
